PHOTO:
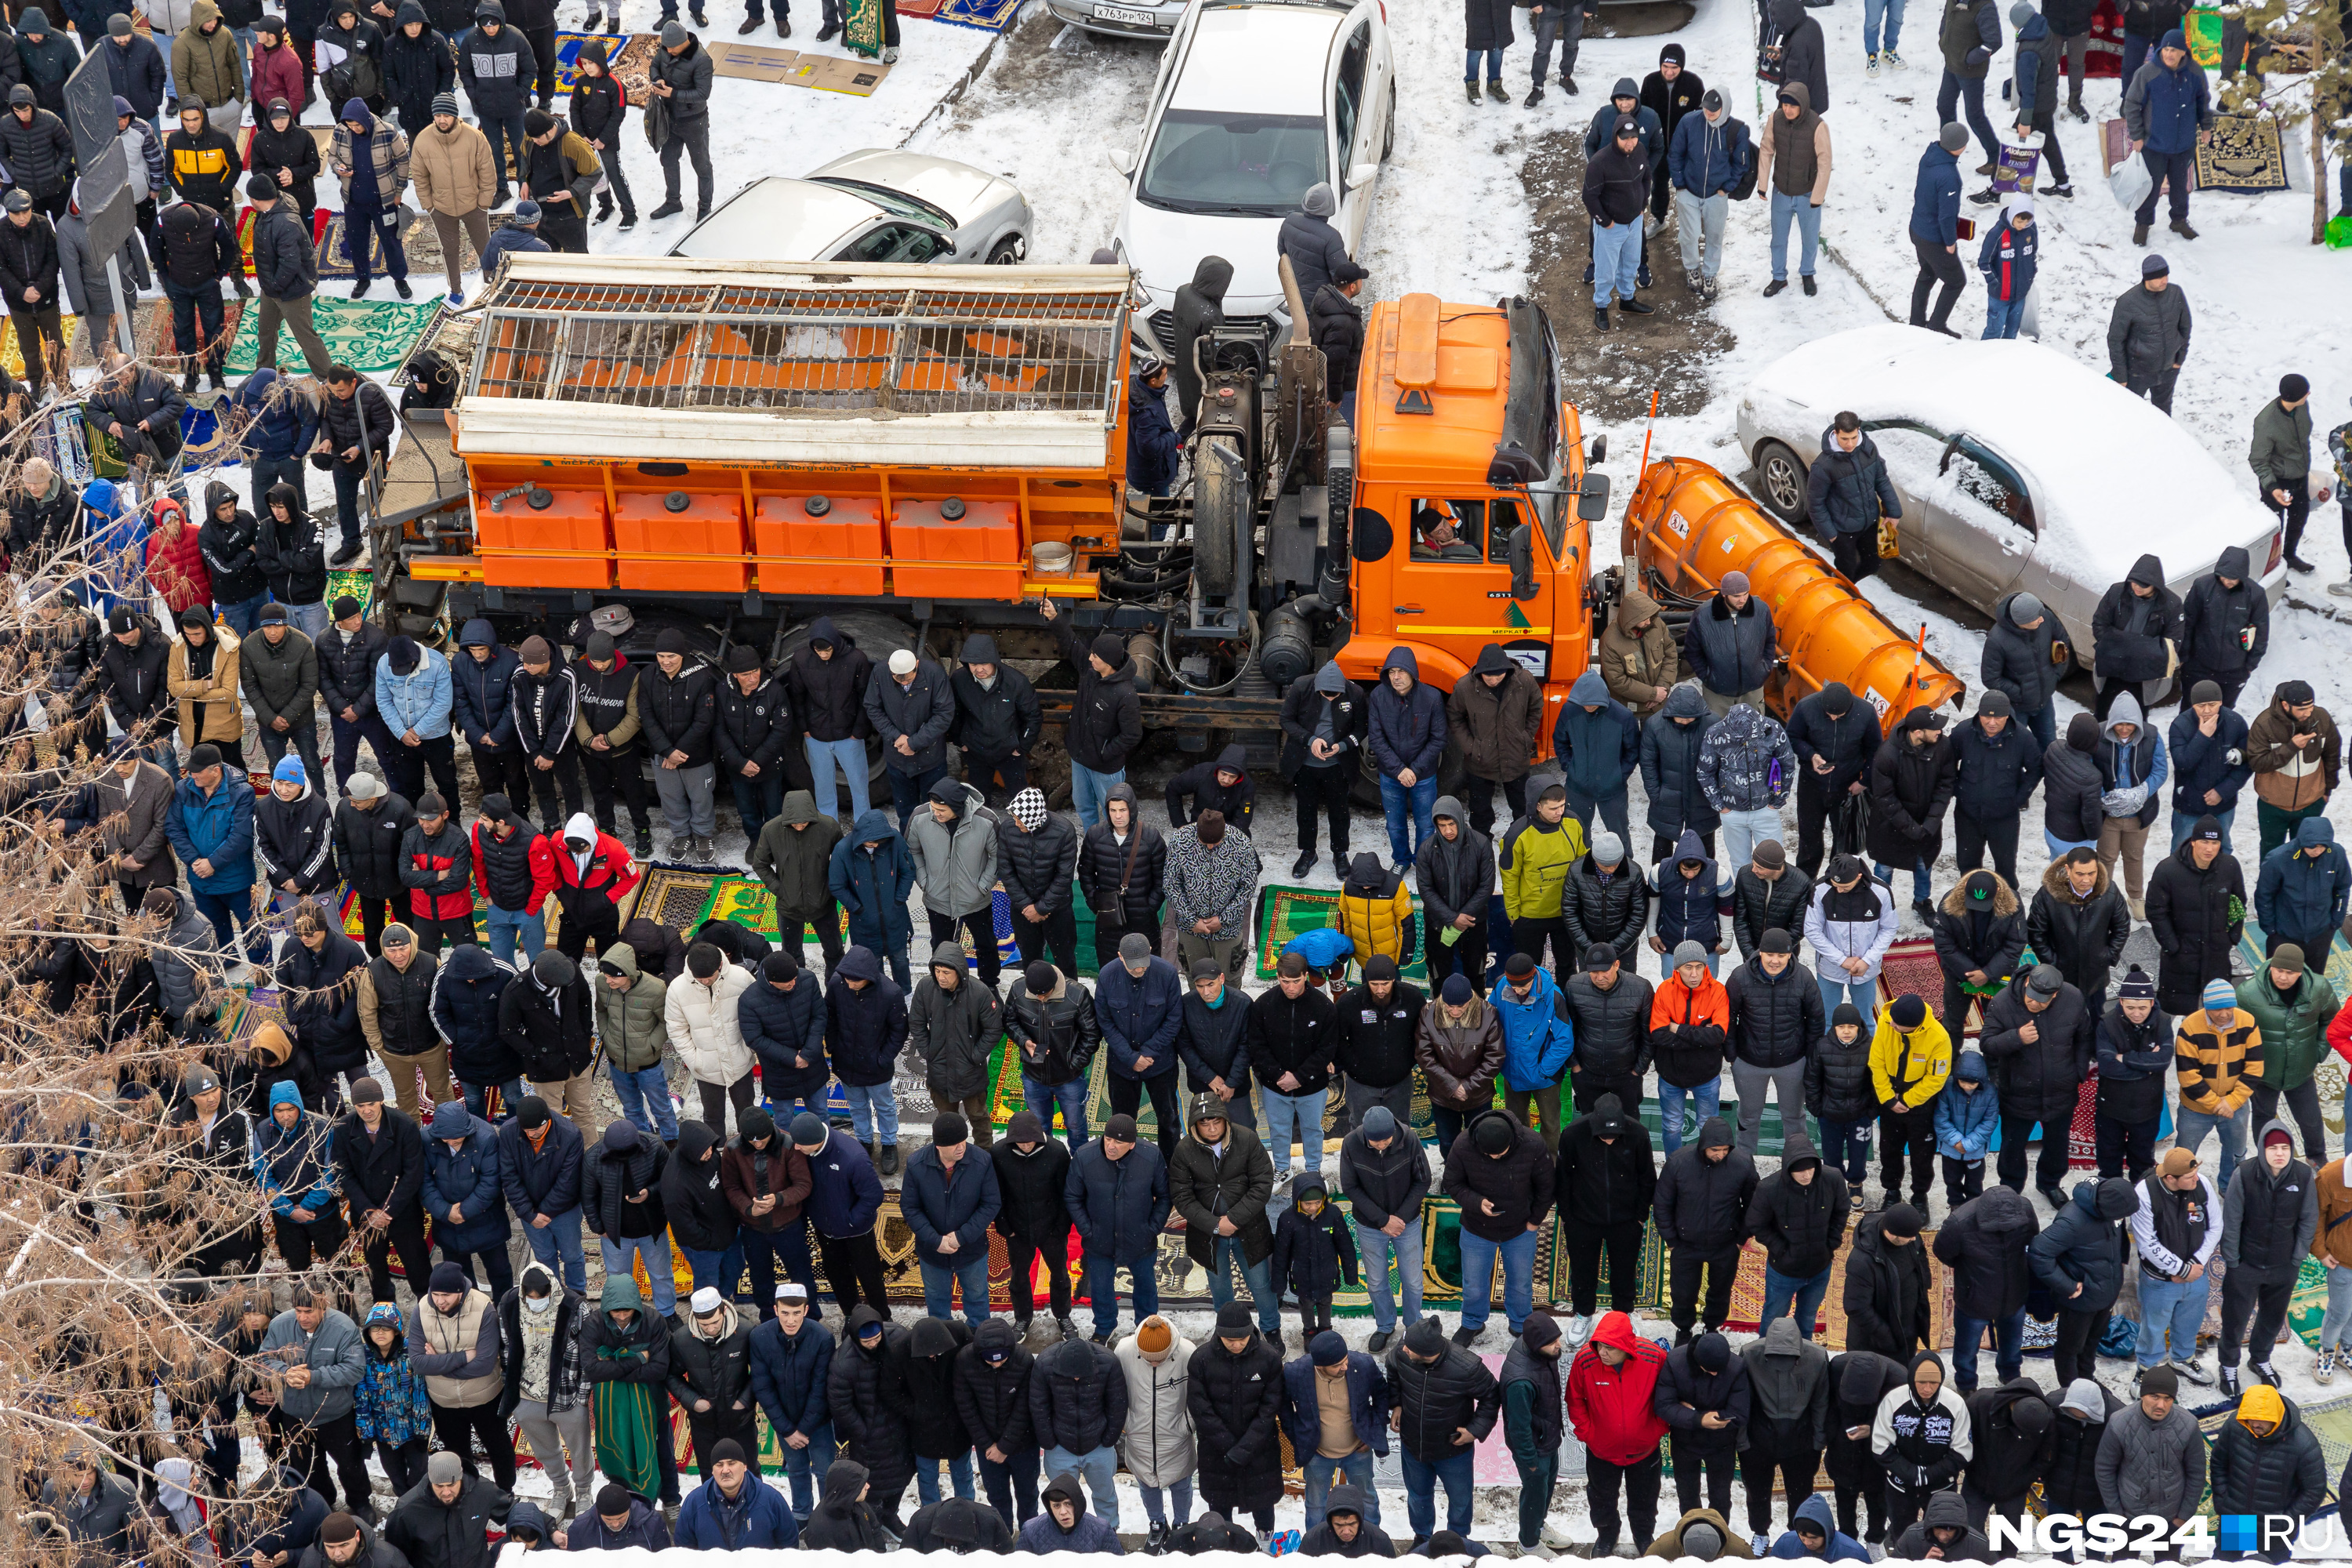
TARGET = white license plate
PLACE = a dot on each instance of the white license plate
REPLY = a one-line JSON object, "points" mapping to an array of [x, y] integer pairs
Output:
{"points": [[1121, 14]]}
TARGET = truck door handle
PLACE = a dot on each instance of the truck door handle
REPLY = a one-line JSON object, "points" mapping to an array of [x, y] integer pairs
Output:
{"points": [[1407, 610]]}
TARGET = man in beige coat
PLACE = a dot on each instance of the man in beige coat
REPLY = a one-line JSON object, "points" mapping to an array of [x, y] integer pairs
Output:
{"points": [[209, 68], [450, 164]]}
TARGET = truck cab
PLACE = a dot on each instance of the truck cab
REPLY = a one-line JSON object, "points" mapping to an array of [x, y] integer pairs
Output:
{"points": [[1470, 523]]}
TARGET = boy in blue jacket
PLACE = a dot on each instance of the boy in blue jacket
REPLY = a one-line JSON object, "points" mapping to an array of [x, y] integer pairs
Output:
{"points": [[1966, 1119], [2007, 260], [1814, 1533]]}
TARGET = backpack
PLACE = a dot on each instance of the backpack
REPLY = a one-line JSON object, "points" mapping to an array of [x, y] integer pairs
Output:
{"points": [[1744, 188]]}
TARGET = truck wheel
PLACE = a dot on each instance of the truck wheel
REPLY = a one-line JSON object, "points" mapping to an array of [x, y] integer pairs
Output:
{"points": [[1780, 481], [877, 636]]}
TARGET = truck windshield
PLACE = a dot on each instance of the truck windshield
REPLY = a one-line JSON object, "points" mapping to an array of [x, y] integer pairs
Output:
{"points": [[1209, 161]]}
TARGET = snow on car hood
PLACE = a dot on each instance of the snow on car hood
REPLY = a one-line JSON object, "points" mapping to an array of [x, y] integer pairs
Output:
{"points": [[958, 189], [2113, 476], [1166, 248]]}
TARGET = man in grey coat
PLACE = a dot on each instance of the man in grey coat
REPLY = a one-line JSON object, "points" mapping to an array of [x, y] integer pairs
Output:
{"points": [[2152, 1457], [313, 1355], [953, 843], [910, 705], [2147, 335]]}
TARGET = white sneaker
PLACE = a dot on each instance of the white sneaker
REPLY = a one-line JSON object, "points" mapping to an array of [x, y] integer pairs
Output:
{"points": [[2323, 1370], [1579, 1328], [1870, 69], [2341, 590], [1762, 1542], [890, 56], [1890, 59], [1557, 1537]]}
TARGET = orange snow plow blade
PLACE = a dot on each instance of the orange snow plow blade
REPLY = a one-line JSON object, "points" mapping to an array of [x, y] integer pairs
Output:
{"points": [[1686, 527]]}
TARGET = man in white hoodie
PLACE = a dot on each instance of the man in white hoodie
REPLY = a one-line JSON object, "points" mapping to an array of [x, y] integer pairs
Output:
{"points": [[701, 1014]]}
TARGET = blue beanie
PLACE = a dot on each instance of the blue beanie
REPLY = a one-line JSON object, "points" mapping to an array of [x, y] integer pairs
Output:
{"points": [[2220, 997], [290, 771]]}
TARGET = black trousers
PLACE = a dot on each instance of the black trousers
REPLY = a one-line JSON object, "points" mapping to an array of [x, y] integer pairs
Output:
{"points": [[1682, 1271], [1857, 554], [715, 1098], [1640, 1481], [1813, 804], [2051, 153], [1127, 1098], [1587, 1090], [1975, 837], [792, 935], [998, 779], [1962, 1181], [717, 1426], [1058, 933], [408, 763], [1715, 1468], [406, 1236], [404, 1463], [2049, 1171], [982, 927], [2295, 513], [623, 769], [1056, 1250], [1467, 952], [1623, 1241], [309, 1450], [543, 48], [2124, 1147], [1936, 266], [1756, 1471], [563, 228], [2076, 1355], [1914, 1130], [1326, 788], [2242, 1298], [601, 921], [458, 1425], [1662, 845], [1011, 1487], [2303, 1101], [853, 1266], [692, 141], [299, 1242], [1903, 1507], [551, 785], [1850, 1497], [431, 934], [374, 915], [1528, 936], [1478, 794], [348, 735], [1109, 932], [503, 770]]}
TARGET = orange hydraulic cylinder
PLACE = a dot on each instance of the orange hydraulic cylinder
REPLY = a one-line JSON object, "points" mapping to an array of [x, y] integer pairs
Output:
{"points": [[1690, 526]]}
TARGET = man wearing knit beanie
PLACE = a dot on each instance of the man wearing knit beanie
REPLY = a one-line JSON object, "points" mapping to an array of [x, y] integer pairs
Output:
{"points": [[1534, 1403], [1335, 1408], [2280, 457], [1121, 1188], [1031, 1167], [2211, 1051], [1385, 1174], [734, 1510], [2152, 1460], [1105, 718], [1159, 1443], [950, 1196]]}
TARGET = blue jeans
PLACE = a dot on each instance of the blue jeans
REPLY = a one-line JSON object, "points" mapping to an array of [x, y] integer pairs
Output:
{"points": [[1098, 1468], [1923, 878], [1394, 799], [559, 1243], [645, 1100], [1155, 1502], [311, 620], [1874, 12], [799, 1463], [1478, 1255], [871, 1104], [1374, 1247], [357, 221], [2003, 317], [477, 1097], [1071, 1097], [1956, 91], [1226, 1254], [1458, 1471], [507, 927], [1781, 1289], [1863, 994], [939, 1281], [1101, 1285], [722, 1270], [2189, 1132], [2058, 846], [1494, 64], [1847, 1146], [927, 1474], [822, 756], [2043, 722], [654, 1250], [1808, 229], [2165, 1305], [1303, 1112], [2183, 822], [1356, 1470], [244, 615], [220, 909], [1616, 261], [1089, 789], [2338, 1317], [2008, 1336], [756, 800], [505, 134], [1709, 1099]]}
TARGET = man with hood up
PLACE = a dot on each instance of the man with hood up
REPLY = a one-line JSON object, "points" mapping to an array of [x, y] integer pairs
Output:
{"points": [[997, 721], [2132, 764], [1200, 309], [1788, 1422], [626, 1352], [2079, 1258], [2266, 1460], [1921, 1438], [1065, 1525], [1313, 248], [1106, 716], [867, 1392], [1887, 1282], [1612, 1386], [1221, 784], [2011, 1428], [1497, 710], [1701, 1205], [620, 1188], [1799, 1215], [2304, 890], [1407, 735], [2225, 626], [593, 875], [1344, 1532], [1706, 1399], [1323, 722], [1943, 1530], [792, 860], [952, 840], [825, 685], [2270, 1215], [844, 1520], [1813, 1533], [1983, 1243], [1599, 744], [953, 1022], [1672, 741], [2136, 635], [870, 875], [481, 678]]}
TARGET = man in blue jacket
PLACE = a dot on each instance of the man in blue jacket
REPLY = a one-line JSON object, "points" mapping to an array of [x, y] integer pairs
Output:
{"points": [[1118, 1197], [1599, 744], [1152, 449], [1812, 1532], [843, 1202], [1936, 230], [278, 425], [2304, 887], [2208, 741], [1709, 154], [792, 1357], [871, 876], [1538, 1040], [950, 1199], [1408, 741], [2168, 113], [735, 1510], [210, 825], [1140, 1006], [481, 678], [462, 1193], [540, 1156], [1329, 1364]]}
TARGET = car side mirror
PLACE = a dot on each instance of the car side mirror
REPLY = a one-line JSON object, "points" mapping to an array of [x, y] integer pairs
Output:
{"points": [[1122, 159], [1362, 175], [1592, 500], [1523, 563]]}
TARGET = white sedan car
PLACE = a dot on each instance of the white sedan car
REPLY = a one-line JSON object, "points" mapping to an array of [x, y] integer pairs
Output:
{"points": [[2021, 469], [876, 205], [1258, 100]]}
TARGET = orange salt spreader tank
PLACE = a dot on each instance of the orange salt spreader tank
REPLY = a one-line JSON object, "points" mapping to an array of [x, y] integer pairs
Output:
{"points": [[1686, 526]]}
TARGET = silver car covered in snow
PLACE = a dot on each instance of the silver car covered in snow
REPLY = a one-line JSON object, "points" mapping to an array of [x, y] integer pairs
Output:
{"points": [[871, 207]]}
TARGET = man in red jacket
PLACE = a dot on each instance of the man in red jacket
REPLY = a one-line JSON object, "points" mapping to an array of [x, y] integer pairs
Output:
{"points": [[1610, 1385], [436, 865], [593, 875]]}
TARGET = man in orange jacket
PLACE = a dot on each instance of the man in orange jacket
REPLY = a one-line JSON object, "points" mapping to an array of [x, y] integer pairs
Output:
{"points": [[593, 875], [1610, 1385]]}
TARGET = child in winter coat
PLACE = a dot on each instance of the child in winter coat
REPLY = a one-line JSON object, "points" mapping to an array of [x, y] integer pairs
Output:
{"points": [[1839, 1094], [1967, 1114], [2007, 260], [391, 1409], [1313, 1248]]}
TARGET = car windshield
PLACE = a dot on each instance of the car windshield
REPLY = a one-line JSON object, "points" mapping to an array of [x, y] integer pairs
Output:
{"points": [[898, 204], [1209, 161]]}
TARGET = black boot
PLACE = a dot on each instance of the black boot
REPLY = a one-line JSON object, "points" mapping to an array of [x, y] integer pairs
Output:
{"points": [[670, 207]]}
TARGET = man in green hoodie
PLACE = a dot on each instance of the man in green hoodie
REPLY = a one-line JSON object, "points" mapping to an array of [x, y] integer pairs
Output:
{"points": [[790, 859]]}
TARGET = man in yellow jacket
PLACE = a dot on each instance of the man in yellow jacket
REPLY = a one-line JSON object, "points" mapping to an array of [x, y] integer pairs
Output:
{"points": [[1910, 1057], [2217, 1053], [1536, 855]]}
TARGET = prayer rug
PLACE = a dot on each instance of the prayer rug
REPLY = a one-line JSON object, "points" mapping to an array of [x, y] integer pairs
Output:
{"points": [[2244, 158], [2115, 147], [2102, 57], [633, 66], [989, 16], [12, 354], [372, 336], [1285, 909]]}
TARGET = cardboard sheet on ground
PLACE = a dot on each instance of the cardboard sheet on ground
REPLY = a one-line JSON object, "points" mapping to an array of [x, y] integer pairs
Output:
{"points": [[751, 63]]}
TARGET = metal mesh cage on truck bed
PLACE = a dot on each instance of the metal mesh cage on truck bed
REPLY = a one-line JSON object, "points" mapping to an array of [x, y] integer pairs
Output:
{"points": [[802, 340]]}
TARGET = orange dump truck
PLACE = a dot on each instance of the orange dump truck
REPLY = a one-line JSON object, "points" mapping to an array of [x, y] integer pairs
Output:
{"points": [[735, 449]]}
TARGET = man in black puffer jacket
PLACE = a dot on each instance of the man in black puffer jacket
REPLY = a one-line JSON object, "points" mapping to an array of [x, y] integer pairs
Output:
{"points": [[2011, 1429], [1799, 1215], [1605, 1181], [1704, 1396], [348, 651], [1438, 1390], [991, 1396], [2079, 1260], [1886, 1284], [2079, 922], [1911, 782], [866, 1390], [753, 728], [997, 721], [2038, 1036], [547, 1019], [1337, 328], [677, 703], [1834, 738], [1036, 856], [2021, 662], [1767, 895], [1846, 494], [1983, 1243], [1998, 766], [286, 268], [1776, 1017], [369, 825], [29, 260], [1604, 900], [1106, 718], [1078, 1409], [1608, 1007], [825, 685], [1702, 1212]]}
